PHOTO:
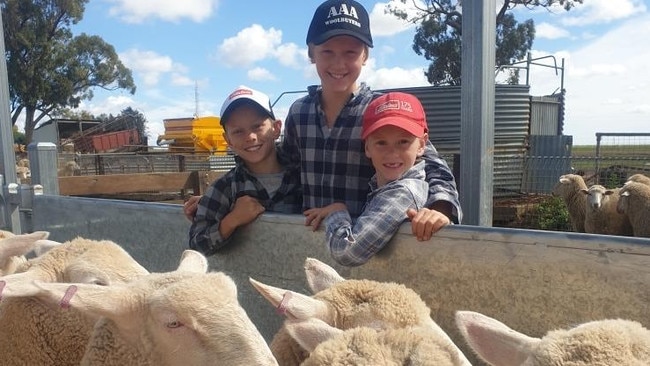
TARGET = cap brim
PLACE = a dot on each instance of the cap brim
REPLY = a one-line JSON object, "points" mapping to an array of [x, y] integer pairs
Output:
{"points": [[323, 37], [404, 123]]}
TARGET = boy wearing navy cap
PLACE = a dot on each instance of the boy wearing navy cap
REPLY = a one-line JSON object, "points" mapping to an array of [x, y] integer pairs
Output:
{"points": [[323, 128], [262, 179], [395, 134]]}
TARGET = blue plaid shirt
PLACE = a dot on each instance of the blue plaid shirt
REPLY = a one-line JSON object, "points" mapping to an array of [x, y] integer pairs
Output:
{"points": [[333, 163], [353, 243], [219, 199]]}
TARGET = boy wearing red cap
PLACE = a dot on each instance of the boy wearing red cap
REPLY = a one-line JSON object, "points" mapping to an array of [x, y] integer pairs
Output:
{"points": [[323, 128], [395, 134], [262, 179]]}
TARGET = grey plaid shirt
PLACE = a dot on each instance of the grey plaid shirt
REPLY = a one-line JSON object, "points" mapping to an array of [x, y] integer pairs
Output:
{"points": [[353, 243]]}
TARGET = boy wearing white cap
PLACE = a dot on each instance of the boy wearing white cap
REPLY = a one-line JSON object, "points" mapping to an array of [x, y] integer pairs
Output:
{"points": [[395, 133], [323, 128], [262, 179]]}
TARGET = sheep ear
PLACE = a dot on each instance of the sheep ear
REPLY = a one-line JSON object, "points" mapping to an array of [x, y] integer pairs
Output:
{"points": [[44, 245], [625, 193], [585, 191], [20, 244], [564, 180], [311, 332], [193, 261], [320, 276], [494, 341], [292, 304]]}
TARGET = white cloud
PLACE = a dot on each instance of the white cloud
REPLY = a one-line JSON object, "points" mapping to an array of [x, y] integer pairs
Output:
{"points": [[394, 77], [289, 54], [168, 10], [260, 74], [150, 66], [603, 11], [548, 31], [250, 45], [385, 24]]}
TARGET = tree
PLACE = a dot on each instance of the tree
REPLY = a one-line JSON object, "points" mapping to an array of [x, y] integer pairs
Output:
{"points": [[439, 33], [48, 67]]}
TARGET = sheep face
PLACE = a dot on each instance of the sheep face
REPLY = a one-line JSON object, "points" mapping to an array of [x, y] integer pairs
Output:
{"points": [[14, 247], [596, 196], [605, 342], [366, 346], [176, 318]]}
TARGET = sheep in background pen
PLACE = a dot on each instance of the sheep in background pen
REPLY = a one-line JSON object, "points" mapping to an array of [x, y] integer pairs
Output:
{"points": [[14, 247], [597, 343], [186, 317], [364, 346], [639, 178], [69, 169], [635, 204], [569, 188], [346, 304], [601, 215], [34, 334]]}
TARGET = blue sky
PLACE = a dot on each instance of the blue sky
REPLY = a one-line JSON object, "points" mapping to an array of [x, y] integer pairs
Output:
{"points": [[186, 57]]}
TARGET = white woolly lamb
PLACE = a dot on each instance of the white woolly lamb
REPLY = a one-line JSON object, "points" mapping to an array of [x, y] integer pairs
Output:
{"points": [[639, 178], [363, 346], [569, 188], [185, 317], [601, 215], [597, 343], [346, 304], [14, 247], [31, 333], [635, 204]]}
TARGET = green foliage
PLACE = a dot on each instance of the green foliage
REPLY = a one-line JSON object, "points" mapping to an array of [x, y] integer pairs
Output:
{"points": [[552, 214], [49, 68], [439, 33], [19, 137]]}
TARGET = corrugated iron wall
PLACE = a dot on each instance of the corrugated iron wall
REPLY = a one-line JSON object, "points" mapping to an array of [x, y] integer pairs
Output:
{"points": [[546, 115], [511, 117]]}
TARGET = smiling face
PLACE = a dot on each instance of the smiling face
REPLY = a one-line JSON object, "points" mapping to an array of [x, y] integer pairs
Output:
{"points": [[338, 62], [393, 151], [251, 134]]}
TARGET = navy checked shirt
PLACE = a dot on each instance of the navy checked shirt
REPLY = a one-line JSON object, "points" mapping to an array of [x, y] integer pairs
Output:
{"points": [[333, 163], [219, 199], [353, 243]]}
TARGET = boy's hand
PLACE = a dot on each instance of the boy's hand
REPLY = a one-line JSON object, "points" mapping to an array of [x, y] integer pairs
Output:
{"points": [[314, 216], [191, 206], [246, 209], [426, 222]]}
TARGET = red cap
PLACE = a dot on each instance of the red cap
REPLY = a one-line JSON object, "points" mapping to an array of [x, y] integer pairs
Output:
{"points": [[397, 109]]}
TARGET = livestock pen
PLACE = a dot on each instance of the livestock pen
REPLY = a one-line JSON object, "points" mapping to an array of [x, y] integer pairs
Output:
{"points": [[531, 280]]}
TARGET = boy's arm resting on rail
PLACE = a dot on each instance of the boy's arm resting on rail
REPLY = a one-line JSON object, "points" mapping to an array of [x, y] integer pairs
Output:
{"points": [[443, 193]]}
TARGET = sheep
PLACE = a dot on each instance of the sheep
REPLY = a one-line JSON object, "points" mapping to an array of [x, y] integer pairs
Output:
{"points": [[14, 247], [635, 204], [69, 169], [23, 174], [569, 188], [32, 333], [363, 346], [184, 317], [596, 343], [640, 178], [601, 215], [345, 304]]}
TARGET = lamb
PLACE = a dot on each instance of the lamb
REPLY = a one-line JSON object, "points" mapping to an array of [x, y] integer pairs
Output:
{"points": [[639, 178], [569, 189], [366, 346], [31, 333], [14, 247], [635, 204], [597, 343], [346, 304], [184, 317], [601, 215]]}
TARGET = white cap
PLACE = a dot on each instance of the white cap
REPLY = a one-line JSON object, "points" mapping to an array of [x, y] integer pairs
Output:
{"points": [[244, 93]]}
